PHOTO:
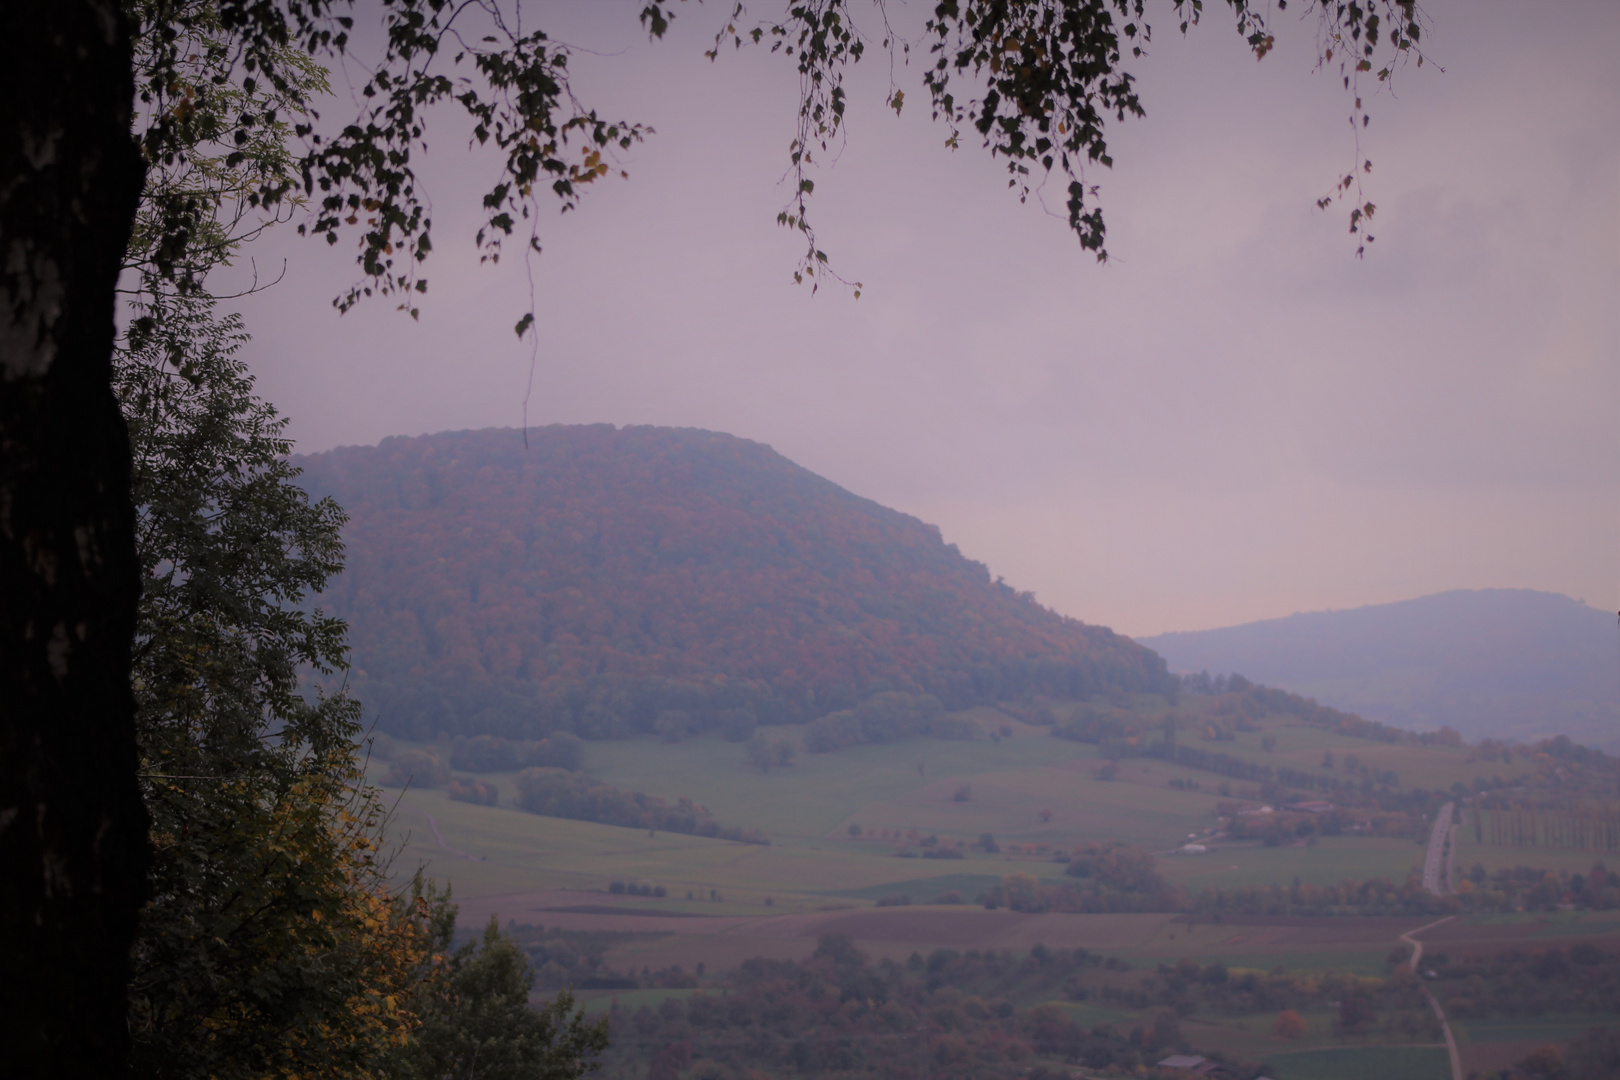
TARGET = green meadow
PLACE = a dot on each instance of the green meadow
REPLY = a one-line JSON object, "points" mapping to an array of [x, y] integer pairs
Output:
{"points": [[1034, 793], [1504, 856], [1332, 859]]}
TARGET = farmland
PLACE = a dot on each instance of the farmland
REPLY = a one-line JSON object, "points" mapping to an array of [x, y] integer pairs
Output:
{"points": [[888, 791], [847, 831]]}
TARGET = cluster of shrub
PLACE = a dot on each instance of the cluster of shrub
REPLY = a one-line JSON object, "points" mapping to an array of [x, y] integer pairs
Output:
{"points": [[1285, 825], [1539, 889], [912, 844], [1118, 748], [1521, 888], [733, 725], [632, 888], [1112, 877], [481, 792], [560, 793], [1565, 769], [839, 1013], [571, 959], [1363, 1005], [765, 754], [1116, 877], [1566, 776], [1593, 1056], [431, 766], [1580, 978], [884, 718]]}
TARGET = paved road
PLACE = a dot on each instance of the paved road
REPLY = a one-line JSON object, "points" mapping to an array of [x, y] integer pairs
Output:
{"points": [[1434, 861], [1417, 954]]}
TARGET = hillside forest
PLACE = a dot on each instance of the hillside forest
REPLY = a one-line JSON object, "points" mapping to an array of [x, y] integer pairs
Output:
{"points": [[620, 581]]}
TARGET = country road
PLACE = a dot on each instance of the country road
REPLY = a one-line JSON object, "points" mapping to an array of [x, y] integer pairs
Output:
{"points": [[1434, 862], [1417, 954]]}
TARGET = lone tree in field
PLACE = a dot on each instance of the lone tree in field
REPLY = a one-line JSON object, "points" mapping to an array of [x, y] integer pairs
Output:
{"points": [[1036, 83]]}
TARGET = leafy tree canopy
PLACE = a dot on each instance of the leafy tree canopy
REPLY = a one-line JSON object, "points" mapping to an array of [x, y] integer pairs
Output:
{"points": [[1037, 82]]}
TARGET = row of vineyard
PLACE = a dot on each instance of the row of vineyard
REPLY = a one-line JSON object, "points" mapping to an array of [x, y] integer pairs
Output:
{"points": [[1586, 831]]}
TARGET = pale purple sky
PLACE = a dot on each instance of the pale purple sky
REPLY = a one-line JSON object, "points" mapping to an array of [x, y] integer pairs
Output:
{"points": [[1234, 419]]}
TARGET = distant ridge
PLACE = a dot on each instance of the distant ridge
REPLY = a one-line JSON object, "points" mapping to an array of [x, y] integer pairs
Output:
{"points": [[1499, 663], [607, 579]]}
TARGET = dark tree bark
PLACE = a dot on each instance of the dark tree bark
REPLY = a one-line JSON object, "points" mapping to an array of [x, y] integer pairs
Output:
{"points": [[72, 827]]}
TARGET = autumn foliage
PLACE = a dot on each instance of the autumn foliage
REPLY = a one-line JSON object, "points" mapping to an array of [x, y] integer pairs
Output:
{"points": [[599, 578], [1289, 1025]]}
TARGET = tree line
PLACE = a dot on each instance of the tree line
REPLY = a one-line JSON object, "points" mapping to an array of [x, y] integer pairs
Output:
{"points": [[840, 1013], [565, 794]]}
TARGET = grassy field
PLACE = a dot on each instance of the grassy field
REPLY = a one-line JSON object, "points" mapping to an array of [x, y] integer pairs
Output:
{"points": [[1330, 860], [726, 902], [1505, 856], [1033, 792], [1539, 1029], [1301, 746], [493, 850]]}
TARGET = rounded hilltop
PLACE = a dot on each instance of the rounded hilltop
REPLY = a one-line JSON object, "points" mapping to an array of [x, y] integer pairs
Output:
{"points": [[596, 578]]}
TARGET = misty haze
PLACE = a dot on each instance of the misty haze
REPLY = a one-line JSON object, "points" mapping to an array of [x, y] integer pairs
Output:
{"points": [[846, 540]]}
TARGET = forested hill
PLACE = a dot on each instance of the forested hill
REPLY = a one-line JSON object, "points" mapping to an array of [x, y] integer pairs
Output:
{"points": [[603, 579], [1499, 663]]}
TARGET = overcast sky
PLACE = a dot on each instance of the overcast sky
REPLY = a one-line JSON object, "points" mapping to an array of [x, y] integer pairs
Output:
{"points": [[1233, 419]]}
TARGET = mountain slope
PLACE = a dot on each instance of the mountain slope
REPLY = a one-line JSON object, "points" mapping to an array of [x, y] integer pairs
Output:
{"points": [[601, 578], [1502, 663]]}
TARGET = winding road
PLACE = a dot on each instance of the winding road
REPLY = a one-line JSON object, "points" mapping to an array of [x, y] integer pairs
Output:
{"points": [[1417, 954]]}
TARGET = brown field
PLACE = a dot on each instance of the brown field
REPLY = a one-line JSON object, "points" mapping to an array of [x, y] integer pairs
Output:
{"points": [[1491, 1056], [1304, 930], [1462, 936], [915, 926], [667, 937]]}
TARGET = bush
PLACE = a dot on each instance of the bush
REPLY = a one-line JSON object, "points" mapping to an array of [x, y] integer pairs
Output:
{"points": [[882, 718], [964, 793], [1118, 867], [673, 725], [419, 768], [559, 793], [483, 753], [481, 792], [560, 750]]}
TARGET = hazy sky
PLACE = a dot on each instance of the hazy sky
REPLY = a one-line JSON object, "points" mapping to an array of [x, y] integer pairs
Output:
{"points": [[1234, 419]]}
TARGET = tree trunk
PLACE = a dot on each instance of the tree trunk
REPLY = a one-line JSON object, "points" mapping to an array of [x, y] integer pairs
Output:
{"points": [[73, 843]]}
